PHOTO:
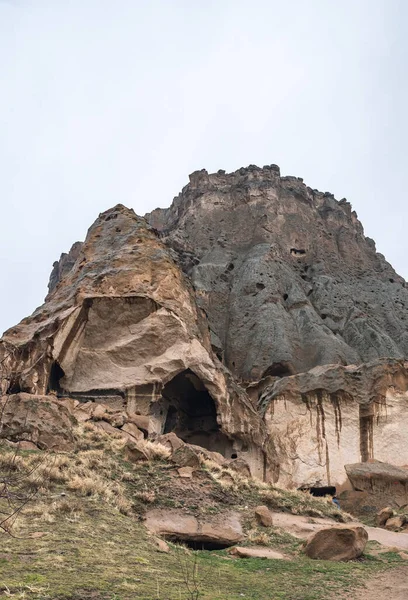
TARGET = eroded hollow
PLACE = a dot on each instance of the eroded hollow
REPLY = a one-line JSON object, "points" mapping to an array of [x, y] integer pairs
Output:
{"points": [[56, 374], [279, 369], [320, 491], [198, 544], [192, 415]]}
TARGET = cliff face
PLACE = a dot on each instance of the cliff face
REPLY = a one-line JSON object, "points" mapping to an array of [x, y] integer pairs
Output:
{"points": [[235, 319], [121, 327], [284, 273]]}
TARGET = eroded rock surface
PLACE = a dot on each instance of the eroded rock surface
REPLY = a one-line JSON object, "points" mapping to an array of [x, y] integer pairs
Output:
{"points": [[121, 327], [252, 319], [284, 273], [218, 531], [344, 542]]}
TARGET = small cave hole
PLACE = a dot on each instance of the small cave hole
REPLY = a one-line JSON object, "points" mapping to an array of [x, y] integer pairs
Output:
{"points": [[391, 280], [14, 387], [197, 544], [260, 286], [234, 455], [280, 369], [285, 297], [324, 316], [231, 267], [297, 251], [319, 491]]}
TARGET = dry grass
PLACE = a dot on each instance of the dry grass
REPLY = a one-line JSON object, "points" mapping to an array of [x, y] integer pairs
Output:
{"points": [[154, 450]]}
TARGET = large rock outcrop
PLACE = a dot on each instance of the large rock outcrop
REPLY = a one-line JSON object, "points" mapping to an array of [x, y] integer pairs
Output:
{"points": [[121, 326], [284, 273], [252, 318]]}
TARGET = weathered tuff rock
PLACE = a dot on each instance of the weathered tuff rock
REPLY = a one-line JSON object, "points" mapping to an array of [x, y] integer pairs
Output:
{"points": [[344, 542], [234, 321], [284, 273], [121, 327], [216, 531], [41, 420], [332, 416], [383, 481]]}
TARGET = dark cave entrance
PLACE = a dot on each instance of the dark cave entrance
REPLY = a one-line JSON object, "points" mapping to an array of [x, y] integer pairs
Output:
{"points": [[321, 491], [197, 544], [192, 415], [56, 374], [279, 369]]}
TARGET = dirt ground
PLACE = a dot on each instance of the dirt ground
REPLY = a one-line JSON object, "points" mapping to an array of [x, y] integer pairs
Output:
{"points": [[391, 585]]}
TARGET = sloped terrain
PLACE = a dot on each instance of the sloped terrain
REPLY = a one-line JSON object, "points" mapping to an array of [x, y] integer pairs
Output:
{"points": [[83, 534]]}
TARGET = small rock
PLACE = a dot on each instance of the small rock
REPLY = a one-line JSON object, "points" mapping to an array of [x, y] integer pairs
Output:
{"points": [[171, 441], [403, 555], [134, 453], [132, 430], [117, 419], [256, 552], [161, 545], [185, 457], [382, 517], [185, 472], [395, 523], [99, 412], [264, 516], [141, 421]]}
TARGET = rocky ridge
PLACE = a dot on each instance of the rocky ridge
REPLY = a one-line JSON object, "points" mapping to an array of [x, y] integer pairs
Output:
{"points": [[252, 318]]}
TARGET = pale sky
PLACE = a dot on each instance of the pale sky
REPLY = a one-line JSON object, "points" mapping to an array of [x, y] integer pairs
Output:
{"points": [[106, 101]]}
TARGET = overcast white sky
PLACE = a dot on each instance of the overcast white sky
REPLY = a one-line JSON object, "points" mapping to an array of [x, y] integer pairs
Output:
{"points": [[106, 101]]}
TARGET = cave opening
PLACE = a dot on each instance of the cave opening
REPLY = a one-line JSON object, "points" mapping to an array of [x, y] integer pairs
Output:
{"points": [[197, 544], [319, 491], [56, 374], [192, 415], [279, 369]]}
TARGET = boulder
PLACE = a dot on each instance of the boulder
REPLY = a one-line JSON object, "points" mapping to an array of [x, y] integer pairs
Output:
{"points": [[344, 542], [219, 531], [117, 419], [382, 517], [141, 421], [133, 431], [264, 516], [99, 412], [396, 523], [134, 452], [185, 456], [171, 441], [108, 428], [41, 420], [256, 552], [161, 545], [185, 472]]}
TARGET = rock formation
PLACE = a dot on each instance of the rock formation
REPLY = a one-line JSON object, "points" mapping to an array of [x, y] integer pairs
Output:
{"points": [[252, 318]]}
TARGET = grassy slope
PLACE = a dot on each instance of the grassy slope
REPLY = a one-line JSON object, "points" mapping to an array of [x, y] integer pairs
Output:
{"points": [[95, 546]]}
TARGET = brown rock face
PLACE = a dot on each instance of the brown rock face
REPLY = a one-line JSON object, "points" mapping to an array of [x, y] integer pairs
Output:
{"points": [[252, 319], [121, 327], [337, 543], [41, 420]]}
